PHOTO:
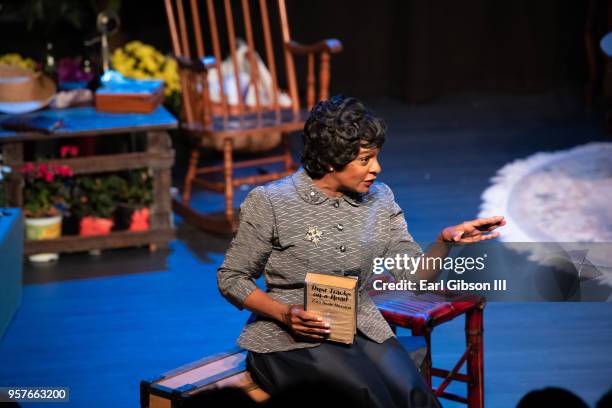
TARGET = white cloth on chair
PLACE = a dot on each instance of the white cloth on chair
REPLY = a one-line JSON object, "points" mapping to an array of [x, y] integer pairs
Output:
{"points": [[247, 87]]}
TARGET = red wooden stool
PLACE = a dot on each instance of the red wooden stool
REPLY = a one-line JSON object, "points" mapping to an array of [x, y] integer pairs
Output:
{"points": [[421, 313]]}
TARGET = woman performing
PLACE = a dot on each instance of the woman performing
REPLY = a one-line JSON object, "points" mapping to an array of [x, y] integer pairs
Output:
{"points": [[331, 217]]}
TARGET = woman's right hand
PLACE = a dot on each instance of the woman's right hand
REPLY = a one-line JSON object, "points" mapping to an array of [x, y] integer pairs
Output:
{"points": [[305, 324]]}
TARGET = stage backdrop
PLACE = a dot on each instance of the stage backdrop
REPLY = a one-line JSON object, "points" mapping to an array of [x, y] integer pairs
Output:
{"points": [[411, 49]]}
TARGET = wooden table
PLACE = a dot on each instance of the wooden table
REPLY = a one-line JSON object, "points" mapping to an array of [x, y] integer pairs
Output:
{"points": [[158, 155]]}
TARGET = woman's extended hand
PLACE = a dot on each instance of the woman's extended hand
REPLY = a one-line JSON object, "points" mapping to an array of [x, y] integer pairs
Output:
{"points": [[473, 231], [306, 324]]}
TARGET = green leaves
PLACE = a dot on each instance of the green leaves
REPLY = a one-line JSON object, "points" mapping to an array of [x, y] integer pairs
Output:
{"points": [[98, 195], [45, 197], [136, 189], [95, 195]]}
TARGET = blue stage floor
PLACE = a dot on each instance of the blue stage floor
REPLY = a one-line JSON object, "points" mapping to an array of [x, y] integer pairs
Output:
{"points": [[141, 314]]}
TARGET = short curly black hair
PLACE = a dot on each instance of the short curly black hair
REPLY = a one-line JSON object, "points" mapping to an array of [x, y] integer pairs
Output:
{"points": [[334, 132]]}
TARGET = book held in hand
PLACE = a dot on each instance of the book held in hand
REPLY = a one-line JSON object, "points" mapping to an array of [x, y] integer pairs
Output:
{"points": [[333, 298]]}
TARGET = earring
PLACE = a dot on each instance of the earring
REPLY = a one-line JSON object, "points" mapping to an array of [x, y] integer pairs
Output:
{"points": [[331, 169]]}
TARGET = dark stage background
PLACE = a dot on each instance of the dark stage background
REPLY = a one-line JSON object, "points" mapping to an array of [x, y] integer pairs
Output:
{"points": [[410, 49], [494, 81]]}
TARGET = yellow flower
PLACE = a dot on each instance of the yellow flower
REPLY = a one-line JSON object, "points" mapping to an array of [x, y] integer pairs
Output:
{"points": [[17, 60], [143, 61], [133, 46], [139, 75]]}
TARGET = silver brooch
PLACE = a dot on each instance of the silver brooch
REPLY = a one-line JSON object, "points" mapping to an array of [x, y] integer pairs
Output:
{"points": [[313, 234]]}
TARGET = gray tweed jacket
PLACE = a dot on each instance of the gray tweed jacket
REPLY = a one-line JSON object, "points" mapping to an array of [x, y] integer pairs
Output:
{"points": [[271, 239]]}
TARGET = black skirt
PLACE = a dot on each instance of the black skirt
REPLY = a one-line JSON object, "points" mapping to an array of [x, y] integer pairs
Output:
{"points": [[381, 375]]}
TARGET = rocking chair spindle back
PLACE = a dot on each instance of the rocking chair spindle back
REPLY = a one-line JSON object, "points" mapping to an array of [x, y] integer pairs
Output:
{"points": [[237, 104]]}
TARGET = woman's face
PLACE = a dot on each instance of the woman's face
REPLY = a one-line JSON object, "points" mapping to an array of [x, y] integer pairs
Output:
{"points": [[359, 174]]}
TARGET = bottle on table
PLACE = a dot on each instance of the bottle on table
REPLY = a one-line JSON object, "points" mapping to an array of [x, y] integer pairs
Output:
{"points": [[50, 62]]}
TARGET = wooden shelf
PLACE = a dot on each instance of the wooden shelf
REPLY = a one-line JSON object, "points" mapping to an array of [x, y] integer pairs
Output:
{"points": [[157, 156], [119, 239], [118, 162]]}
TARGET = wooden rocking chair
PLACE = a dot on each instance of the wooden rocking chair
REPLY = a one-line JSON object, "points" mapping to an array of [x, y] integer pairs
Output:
{"points": [[216, 118]]}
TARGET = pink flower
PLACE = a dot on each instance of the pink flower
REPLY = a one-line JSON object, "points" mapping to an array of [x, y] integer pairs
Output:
{"points": [[27, 167], [64, 171], [43, 169], [72, 151], [49, 176]]}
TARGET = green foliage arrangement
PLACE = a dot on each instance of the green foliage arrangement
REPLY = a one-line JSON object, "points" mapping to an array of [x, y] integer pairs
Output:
{"points": [[99, 195], [47, 189], [95, 195], [136, 189]]}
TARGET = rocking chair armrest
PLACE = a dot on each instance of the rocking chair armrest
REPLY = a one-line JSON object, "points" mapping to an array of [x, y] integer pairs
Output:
{"points": [[331, 45], [197, 65]]}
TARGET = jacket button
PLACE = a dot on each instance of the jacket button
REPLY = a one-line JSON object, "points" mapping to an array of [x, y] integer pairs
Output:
{"points": [[342, 248], [340, 227], [336, 203]]}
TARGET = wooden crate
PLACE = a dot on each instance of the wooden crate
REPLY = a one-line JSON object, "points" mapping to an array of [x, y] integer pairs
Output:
{"points": [[158, 156], [171, 389], [129, 102]]}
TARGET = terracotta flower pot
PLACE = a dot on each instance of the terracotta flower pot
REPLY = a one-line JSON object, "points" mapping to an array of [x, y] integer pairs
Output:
{"points": [[131, 218], [95, 226], [140, 220], [43, 228]]}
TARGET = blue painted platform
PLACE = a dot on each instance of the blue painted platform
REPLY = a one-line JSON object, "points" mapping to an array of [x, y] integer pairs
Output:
{"points": [[101, 324]]}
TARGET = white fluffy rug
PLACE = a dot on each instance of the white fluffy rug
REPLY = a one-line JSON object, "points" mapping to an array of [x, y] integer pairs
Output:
{"points": [[563, 196]]}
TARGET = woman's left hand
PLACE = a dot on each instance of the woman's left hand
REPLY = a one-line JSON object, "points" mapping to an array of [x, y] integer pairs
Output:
{"points": [[473, 231]]}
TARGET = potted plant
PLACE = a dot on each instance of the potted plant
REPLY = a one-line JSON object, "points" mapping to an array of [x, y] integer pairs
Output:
{"points": [[134, 195], [45, 198], [94, 202]]}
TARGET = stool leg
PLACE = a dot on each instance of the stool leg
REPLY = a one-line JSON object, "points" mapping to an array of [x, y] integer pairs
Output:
{"points": [[426, 366], [427, 361], [475, 359]]}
